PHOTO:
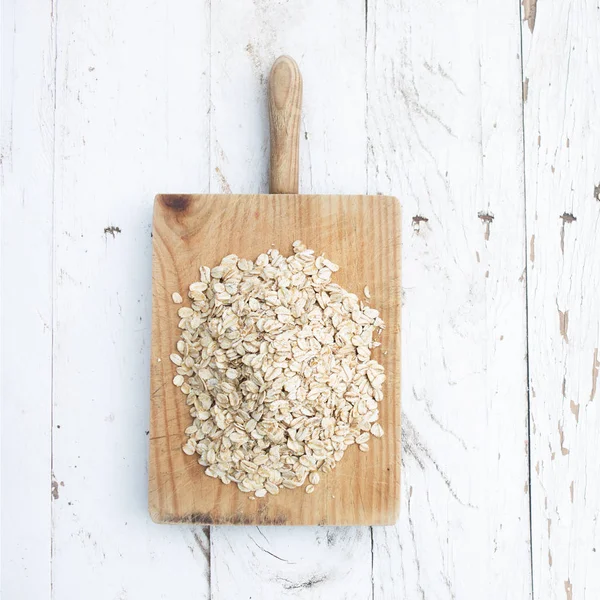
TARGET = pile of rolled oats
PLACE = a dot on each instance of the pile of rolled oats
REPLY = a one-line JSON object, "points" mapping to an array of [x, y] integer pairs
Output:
{"points": [[275, 361]]}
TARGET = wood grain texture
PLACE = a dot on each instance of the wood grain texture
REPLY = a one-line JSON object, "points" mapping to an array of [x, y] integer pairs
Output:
{"points": [[444, 127], [27, 89], [562, 146], [294, 563], [360, 233], [285, 106]]}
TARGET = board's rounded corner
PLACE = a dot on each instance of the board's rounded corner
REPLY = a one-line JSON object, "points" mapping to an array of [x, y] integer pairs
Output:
{"points": [[389, 519], [395, 515], [159, 200], [156, 515], [395, 201], [391, 204]]}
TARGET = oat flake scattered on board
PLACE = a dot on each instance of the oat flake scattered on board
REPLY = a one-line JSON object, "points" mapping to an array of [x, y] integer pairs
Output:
{"points": [[275, 361]]}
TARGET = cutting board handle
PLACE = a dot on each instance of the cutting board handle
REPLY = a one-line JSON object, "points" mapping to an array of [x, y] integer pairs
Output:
{"points": [[285, 105]]}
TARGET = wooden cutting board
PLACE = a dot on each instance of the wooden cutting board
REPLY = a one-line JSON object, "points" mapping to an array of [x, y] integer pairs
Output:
{"points": [[362, 235]]}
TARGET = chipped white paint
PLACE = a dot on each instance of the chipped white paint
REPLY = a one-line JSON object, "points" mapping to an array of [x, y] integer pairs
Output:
{"points": [[419, 100], [561, 61], [444, 125], [130, 118], [130, 121]]}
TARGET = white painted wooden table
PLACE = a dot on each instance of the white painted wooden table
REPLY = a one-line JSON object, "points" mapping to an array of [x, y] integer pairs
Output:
{"points": [[483, 117]]}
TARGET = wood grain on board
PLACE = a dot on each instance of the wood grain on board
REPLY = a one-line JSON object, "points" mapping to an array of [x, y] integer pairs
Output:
{"points": [[285, 111], [360, 233]]}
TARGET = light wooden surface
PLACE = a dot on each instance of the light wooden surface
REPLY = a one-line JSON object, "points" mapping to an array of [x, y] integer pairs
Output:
{"points": [[106, 103], [285, 111], [362, 235]]}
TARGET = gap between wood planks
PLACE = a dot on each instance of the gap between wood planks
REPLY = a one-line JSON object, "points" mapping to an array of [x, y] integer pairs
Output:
{"points": [[54, 20], [527, 11]]}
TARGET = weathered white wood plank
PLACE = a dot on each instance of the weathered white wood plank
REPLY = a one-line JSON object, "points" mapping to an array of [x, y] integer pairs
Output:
{"points": [[327, 41], [132, 120], [562, 146], [26, 155], [445, 136], [291, 562]]}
